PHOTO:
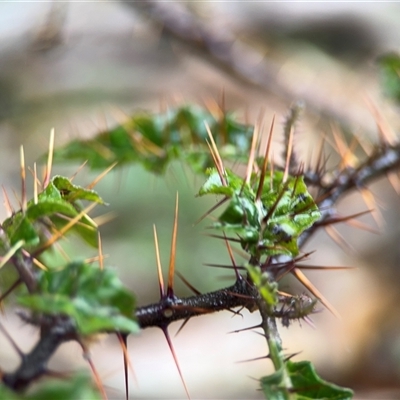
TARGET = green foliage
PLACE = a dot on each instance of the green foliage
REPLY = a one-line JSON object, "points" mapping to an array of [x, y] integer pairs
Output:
{"points": [[156, 140], [306, 384], [56, 205], [77, 387], [271, 224], [389, 65], [95, 299]]}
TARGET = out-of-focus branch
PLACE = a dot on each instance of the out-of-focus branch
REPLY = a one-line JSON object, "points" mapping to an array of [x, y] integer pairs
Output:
{"points": [[223, 49]]}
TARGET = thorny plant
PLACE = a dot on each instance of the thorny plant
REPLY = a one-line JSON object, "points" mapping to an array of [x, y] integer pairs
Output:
{"points": [[268, 211]]}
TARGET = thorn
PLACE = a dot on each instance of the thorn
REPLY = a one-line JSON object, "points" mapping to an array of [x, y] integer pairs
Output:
{"points": [[187, 283], [10, 289], [64, 229], [11, 340], [23, 179], [253, 359], [323, 267], [159, 269], [47, 175], [252, 154], [105, 218], [35, 184], [224, 266], [238, 276], [371, 203], [307, 283], [288, 155], [96, 376], [213, 208], [246, 329], [101, 258], [7, 203], [123, 341], [273, 208], [171, 269], [217, 158], [338, 239], [171, 347], [101, 176], [77, 171], [11, 252], [265, 161], [35, 261], [186, 320], [394, 180]]}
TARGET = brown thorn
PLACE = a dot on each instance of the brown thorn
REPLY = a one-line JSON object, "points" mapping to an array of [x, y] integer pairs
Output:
{"points": [[307, 283], [224, 266], [253, 359], [171, 348], [288, 155], [123, 341], [187, 283], [265, 161], [323, 268], [172, 258], [11, 340], [213, 208], [232, 258], [10, 289], [246, 329], [186, 320], [35, 184], [273, 208], [159, 269]]}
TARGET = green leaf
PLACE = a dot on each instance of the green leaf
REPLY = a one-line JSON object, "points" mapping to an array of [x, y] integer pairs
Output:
{"points": [[305, 385], [95, 299], [389, 66], [309, 385], [77, 387], [270, 225], [59, 203], [155, 140]]}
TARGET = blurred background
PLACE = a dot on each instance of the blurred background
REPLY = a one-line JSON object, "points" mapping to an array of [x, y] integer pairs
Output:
{"points": [[81, 67]]}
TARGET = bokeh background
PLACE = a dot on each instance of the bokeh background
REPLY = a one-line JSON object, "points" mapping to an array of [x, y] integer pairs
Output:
{"points": [[81, 67]]}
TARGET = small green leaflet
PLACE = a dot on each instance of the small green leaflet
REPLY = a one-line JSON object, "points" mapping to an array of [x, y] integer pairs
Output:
{"points": [[58, 202], [269, 225], [389, 68], [95, 299], [154, 140], [306, 385], [77, 387]]}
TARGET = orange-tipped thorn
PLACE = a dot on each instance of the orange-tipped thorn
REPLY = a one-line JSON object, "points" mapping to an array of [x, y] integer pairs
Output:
{"points": [[159, 269], [49, 165], [171, 269], [23, 179], [307, 283]]}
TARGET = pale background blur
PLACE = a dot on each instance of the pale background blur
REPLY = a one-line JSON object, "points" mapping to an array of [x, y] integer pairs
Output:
{"points": [[104, 60]]}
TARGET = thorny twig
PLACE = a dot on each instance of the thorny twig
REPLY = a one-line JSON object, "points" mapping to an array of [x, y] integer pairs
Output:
{"points": [[60, 330]]}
